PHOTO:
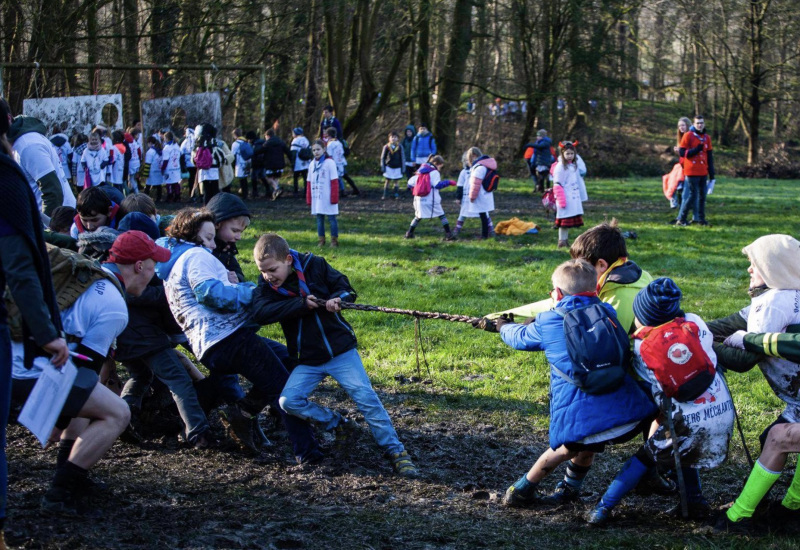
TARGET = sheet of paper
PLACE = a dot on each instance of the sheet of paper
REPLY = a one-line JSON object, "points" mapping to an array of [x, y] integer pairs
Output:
{"points": [[45, 402]]}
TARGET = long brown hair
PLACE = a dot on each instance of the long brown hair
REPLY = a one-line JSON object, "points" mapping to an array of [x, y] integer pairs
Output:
{"points": [[688, 125]]}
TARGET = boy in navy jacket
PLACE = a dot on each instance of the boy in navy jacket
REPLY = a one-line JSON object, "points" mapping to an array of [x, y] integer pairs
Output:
{"points": [[321, 341]]}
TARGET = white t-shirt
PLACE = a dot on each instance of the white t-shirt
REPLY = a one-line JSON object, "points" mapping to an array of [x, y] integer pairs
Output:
{"points": [[335, 150], [463, 181], [203, 327], [171, 154], [118, 168], [136, 157], [153, 158], [773, 311], [320, 175], [97, 317], [93, 161], [38, 157]]}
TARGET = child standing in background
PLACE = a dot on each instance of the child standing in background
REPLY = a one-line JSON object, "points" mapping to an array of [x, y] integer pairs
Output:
{"points": [[408, 160], [462, 194], [94, 161], [322, 191], [300, 166], [151, 171], [119, 170], [392, 164], [425, 187], [570, 192], [481, 201], [171, 167], [335, 150], [132, 140]]}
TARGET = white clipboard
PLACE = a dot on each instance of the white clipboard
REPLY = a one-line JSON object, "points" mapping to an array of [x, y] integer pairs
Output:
{"points": [[44, 404]]}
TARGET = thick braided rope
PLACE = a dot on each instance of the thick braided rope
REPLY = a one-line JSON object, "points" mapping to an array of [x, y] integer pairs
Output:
{"points": [[411, 312]]}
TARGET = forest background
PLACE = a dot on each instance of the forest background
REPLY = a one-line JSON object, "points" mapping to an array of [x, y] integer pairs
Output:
{"points": [[592, 70]]}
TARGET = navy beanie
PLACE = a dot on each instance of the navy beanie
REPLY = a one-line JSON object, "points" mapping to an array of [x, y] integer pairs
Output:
{"points": [[225, 206], [658, 303], [139, 222]]}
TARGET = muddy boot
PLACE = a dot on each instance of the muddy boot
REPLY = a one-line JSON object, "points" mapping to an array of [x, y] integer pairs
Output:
{"points": [[321, 241], [66, 496], [563, 244], [334, 242], [239, 426], [449, 236], [409, 234]]}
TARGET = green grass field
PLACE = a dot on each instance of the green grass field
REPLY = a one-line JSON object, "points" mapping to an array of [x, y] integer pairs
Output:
{"points": [[475, 369]]}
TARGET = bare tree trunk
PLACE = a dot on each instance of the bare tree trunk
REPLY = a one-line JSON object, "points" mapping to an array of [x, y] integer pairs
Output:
{"points": [[453, 76], [312, 94], [423, 39]]}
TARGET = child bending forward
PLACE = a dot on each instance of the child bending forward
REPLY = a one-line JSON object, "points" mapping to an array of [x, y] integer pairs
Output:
{"points": [[579, 421], [321, 340], [703, 425]]}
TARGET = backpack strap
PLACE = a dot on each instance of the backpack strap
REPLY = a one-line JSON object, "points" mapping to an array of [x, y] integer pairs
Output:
{"points": [[561, 312]]}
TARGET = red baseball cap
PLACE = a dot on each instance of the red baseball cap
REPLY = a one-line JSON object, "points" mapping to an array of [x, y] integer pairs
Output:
{"points": [[134, 246]]}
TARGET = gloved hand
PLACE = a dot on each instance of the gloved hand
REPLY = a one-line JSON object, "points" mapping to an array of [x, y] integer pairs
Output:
{"points": [[736, 340], [504, 319], [486, 324]]}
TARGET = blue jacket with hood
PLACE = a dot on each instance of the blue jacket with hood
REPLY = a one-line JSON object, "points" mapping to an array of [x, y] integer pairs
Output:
{"points": [[575, 414]]}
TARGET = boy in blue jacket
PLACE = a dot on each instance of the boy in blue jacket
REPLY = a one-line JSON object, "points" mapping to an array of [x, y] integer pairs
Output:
{"points": [[322, 342], [579, 421]]}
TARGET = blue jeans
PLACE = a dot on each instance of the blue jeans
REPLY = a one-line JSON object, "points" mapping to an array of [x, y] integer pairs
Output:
{"points": [[245, 352], [348, 370], [5, 403], [169, 369], [694, 198], [321, 225]]}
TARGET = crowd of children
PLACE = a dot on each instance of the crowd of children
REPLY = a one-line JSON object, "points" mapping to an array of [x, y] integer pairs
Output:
{"points": [[614, 338]]}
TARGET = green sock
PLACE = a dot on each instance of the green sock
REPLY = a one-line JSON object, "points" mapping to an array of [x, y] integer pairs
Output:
{"points": [[792, 498], [758, 484]]}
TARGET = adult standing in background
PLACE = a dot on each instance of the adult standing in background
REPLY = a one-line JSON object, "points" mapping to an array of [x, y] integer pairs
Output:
{"points": [[698, 170], [25, 268]]}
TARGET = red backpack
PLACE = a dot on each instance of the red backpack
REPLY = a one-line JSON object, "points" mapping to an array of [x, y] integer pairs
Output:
{"points": [[423, 186], [675, 355]]}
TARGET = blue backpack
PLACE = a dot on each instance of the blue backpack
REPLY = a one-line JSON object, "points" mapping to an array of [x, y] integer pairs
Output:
{"points": [[598, 346], [246, 151]]}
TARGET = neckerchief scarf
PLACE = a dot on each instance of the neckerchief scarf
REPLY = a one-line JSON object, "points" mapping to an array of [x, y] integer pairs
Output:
{"points": [[304, 291], [602, 280]]}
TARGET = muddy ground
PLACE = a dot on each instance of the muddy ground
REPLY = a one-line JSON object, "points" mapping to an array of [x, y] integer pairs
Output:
{"points": [[166, 495]]}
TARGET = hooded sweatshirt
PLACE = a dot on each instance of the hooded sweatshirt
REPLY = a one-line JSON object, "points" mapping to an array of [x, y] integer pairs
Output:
{"points": [[206, 306]]}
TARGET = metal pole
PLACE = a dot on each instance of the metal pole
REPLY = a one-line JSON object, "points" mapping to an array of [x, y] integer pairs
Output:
{"points": [[2, 87]]}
